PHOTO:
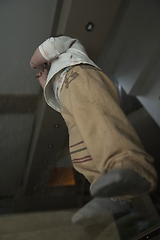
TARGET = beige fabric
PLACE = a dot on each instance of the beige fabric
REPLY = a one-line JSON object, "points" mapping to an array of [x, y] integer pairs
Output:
{"points": [[101, 138], [62, 52]]}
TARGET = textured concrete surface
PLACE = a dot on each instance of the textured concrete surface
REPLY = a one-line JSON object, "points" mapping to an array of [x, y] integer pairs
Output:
{"points": [[51, 225]]}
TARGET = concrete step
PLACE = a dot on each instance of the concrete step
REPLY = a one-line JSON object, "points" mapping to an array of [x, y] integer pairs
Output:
{"points": [[49, 226]]}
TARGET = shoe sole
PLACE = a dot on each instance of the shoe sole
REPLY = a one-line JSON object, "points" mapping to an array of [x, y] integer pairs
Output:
{"points": [[120, 182]]}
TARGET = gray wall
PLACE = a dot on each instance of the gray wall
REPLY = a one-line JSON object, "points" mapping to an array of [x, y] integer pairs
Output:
{"points": [[24, 25]]}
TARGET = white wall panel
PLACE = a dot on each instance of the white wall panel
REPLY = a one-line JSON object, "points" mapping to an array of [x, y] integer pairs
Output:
{"points": [[24, 25]]}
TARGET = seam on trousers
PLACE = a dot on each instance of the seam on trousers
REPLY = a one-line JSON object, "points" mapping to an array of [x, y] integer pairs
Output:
{"points": [[76, 144], [79, 150], [88, 66], [82, 161]]}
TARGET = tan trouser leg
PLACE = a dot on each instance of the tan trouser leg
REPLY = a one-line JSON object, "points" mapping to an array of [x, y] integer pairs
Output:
{"points": [[81, 158], [90, 108]]}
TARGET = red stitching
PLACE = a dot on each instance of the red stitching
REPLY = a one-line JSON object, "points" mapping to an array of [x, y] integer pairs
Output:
{"points": [[76, 144], [81, 158], [82, 161]]}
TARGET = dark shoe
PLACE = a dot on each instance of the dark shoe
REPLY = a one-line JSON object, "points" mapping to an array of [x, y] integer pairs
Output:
{"points": [[120, 182]]}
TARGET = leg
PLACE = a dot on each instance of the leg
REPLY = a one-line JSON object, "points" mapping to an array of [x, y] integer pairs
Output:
{"points": [[98, 210], [89, 101]]}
